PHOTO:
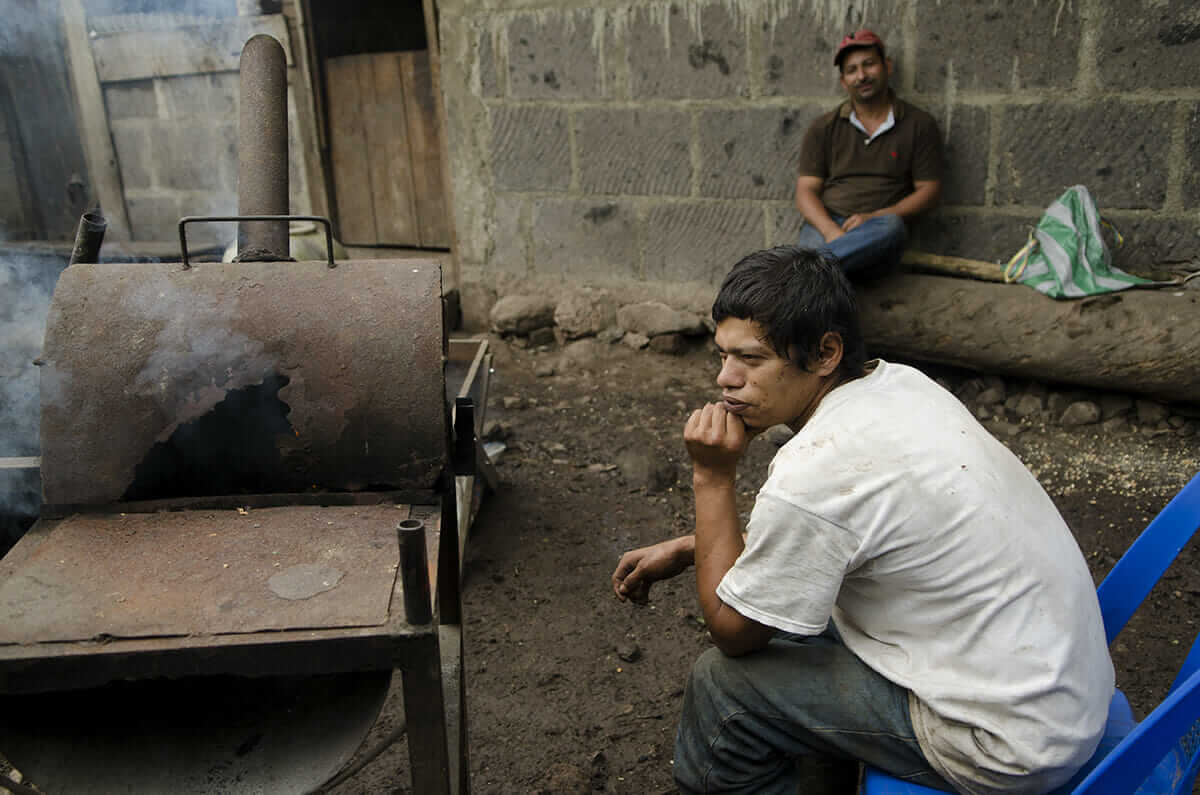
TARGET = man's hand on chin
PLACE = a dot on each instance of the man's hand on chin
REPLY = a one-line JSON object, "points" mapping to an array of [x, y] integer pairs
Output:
{"points": [[715, 440]]}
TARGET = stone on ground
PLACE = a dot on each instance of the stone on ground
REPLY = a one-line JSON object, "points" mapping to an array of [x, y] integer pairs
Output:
{"points": [[585, 312], [521, 314], [652, 318]]}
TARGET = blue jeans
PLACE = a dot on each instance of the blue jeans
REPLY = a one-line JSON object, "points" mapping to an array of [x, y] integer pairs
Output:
{"points": [[879, 241], [752, 724]]}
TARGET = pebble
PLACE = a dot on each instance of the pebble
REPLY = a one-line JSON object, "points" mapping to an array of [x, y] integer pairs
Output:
{"points": [[1028, 405], [635, 340], [1150, 412], [629, 651], [1083, 412], [991, 396]]}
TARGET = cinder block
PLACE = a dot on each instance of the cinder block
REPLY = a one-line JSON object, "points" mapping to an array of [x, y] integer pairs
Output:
{"points": [[510, 233], [991, 238], [982, 45], [225, 93], [786, 221], [1156, 241], [634, 151], [1191, 173], [1117, 149], [190, 155], [687, 50], [154, 216], [297, 176], [227, 162], [187, 96], [1149, 241], [485, 54], [700, 241], [530, 148], [134, 156], [1148, 45], [550, 56], [219, 202], [134, 99], [581, 238], [797, 51], [965, 133], [752, 153]]}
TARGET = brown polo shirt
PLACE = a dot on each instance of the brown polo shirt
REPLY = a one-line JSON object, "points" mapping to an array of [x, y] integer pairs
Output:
{"points": [[861, 177]]}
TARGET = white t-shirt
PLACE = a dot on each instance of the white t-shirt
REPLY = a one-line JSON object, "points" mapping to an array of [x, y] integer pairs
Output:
{"points": [[946, 568]]}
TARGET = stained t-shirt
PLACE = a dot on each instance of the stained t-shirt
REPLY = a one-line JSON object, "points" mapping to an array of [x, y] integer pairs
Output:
{"points": [[862, 177], [946, 568]]}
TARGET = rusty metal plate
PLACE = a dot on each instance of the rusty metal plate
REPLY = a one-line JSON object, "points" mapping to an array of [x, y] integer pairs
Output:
{"points": [[139, 358], [202, 573]]}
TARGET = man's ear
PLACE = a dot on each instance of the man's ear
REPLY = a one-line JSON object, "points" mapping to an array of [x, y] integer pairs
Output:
{"points": [[829, 354], [887, 62]]}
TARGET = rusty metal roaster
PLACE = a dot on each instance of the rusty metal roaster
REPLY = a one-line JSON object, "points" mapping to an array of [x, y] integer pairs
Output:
{"points": [[251, 513]]}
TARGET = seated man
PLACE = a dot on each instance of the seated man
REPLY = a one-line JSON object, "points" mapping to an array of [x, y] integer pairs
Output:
{"points": [[869, 166], [905, 594]]}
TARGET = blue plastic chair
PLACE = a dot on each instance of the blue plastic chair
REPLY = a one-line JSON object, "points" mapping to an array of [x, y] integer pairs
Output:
{"points": [[1161, 754]]}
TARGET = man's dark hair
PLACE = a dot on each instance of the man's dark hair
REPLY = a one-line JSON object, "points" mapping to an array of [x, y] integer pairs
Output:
{"points": [[796, 295]]}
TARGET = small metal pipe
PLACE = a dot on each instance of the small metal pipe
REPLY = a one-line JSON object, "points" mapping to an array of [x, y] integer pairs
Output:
{"points": [[88, 238], [414, 571], [263, 150]]}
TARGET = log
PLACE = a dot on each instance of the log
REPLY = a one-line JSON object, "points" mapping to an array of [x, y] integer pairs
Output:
{"points": [[1144, 342], [953, 266]]}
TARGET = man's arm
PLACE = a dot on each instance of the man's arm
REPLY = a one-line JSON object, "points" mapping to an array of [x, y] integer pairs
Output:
{"points": [[716, 440], [808, 202], [925, 196], [638, 569]]}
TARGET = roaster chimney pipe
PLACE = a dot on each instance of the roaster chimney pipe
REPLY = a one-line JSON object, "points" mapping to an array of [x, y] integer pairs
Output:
{"points": [[263, 150]]}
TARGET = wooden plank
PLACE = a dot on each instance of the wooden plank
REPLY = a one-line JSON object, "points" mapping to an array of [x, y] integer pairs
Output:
{"points": [[432, 36], [98, 150], [425, 713], [196, 49], [15, 199], [425, 143], [454, 687], [348, 151], [310, 110], [384, 114], [40, 117]]}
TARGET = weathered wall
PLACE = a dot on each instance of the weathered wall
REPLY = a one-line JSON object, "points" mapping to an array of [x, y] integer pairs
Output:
{"points": [[171, 96], [658, 141]]}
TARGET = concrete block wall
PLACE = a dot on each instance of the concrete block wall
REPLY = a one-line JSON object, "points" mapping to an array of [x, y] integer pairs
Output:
{"points": [[595, 140], [175, 138]]}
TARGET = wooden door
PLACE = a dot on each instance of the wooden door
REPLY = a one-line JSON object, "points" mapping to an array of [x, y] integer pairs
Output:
{"points": [[385, 150], [44, 185]]}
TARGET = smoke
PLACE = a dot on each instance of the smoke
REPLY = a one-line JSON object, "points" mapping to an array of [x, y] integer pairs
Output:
{"points": [[26, 284]]}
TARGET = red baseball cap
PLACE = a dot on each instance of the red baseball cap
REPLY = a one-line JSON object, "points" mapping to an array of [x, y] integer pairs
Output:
{"points": [[857, 39]]}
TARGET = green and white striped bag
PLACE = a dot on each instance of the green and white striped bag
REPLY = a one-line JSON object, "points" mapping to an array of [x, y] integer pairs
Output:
{"points": [[1066, 256]]}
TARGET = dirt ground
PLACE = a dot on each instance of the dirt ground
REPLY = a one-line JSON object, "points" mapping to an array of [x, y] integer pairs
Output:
{"points": [[572, 691]]}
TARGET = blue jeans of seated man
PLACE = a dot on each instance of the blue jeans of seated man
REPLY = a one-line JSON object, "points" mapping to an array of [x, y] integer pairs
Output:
{"points": [[748, 721], [878, 241]]}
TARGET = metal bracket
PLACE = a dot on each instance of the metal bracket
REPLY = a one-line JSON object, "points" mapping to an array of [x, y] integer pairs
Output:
{"points": [[183, 250], [463, 456]]}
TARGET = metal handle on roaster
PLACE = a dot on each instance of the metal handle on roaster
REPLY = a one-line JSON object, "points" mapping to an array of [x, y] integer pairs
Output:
{"points": [[189, 219]]}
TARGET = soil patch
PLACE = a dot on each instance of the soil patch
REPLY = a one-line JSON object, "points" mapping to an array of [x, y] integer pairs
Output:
{"points": [[571, 691]]}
